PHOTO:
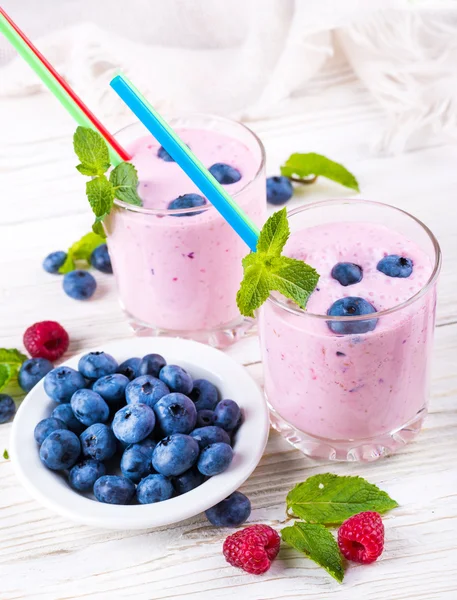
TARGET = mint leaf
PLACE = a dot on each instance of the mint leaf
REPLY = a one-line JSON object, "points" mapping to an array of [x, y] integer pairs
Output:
{"points": [[6, 456], [10, 363], [81, 251], [303, 165], [11, 356], [6, 375], [331, 499], [97, 227], [318, 544], [124, 178], [293, 278], [254, 289], [274, 234], [91, 149], [100, 194]]}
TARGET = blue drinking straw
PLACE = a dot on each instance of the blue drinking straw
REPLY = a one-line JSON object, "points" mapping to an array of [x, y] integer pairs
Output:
{"points": [[187, 160]]}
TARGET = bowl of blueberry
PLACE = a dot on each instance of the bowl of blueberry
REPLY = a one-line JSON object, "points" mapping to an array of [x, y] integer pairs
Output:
{"points": [[142, 433]]}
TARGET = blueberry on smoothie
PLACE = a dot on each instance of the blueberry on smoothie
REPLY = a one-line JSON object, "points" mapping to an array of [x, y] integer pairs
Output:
{"points": [[45, 427], [175, 413], [7, 408], [151, 364], [177, 379], [224, 174], [205, 418], [65, 413], [32, 371], [154, 488], [227, 414], [163, 154], [175, 454], [136, 460], [231, 512], [79, 285], [133, 423], [84, 474], [54, 261], [62, 382], [101, 260], [114, 489], [210, 435], [89, 407], [98, 442], [111, 387], [347, 273], [395, 266], [130, 368], [204, 394], [145, 389], [187, 201], [188, 481], [214, 459], [60, 450], [279, 190], [352, 306], [97, 364]]}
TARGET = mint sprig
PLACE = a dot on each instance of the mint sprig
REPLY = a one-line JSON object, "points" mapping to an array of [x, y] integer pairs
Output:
{"points": [[312, 164], [78, 255], [6, 455], [267, 270], [10, 363]]}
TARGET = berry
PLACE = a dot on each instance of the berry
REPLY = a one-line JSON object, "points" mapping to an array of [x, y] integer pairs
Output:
{"points": [[351, 306], [188, 481], [46, 339], [130, 368], [133, 423], [210, 435], [46, 427], [204, 394], [101, 260], [97, 364], [231, 512], [154, 488], [175, 454], [187, 201], [175, 413], [136, 460], [89, 407], [163, 154], [32, 371], [98, 442], [151, 364], [279, 190], [252, 549], [65, 413], [84, 474], [54, 261], [62, 382], [79, 285], [361, 537], [177, 379], [224, 174], [214, 459], [145, 389], [347, 273], [7, 408], [111, 387], [205, 418], [60, 450], [227, 414], [395, 266], [114, 489]]}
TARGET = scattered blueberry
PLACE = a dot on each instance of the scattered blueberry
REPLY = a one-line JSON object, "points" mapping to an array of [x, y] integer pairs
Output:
{"points": [[133, 423], [46, 427], [114, 489], [79, 284], [7, 408], [210, 435], [227, 414], [60, 450], [151, 364], [175, 454], [205, 418], [54, 261], [175, 413], [177, 379], [279, 190], [62, 382], [231, 512], [32, 371], [145, 389], [98, 442], [111, 387], [204, 394], [347, 273], [395, 266], [84, 474], [97, 364], [136, 460], [188, 481], [351, 306], [89, 407], [163, 154], [130, 368], [101, 260], [214, 459], [65, 413], [154, 488], [187, 201], [224, 174]]}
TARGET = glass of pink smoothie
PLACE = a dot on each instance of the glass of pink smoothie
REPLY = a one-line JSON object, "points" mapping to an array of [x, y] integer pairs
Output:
{"points": [[355, 386], [178, 270]]}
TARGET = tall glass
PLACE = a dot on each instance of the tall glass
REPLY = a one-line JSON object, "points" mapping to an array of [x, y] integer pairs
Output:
{"points": [[179, 275], [351, 397]]}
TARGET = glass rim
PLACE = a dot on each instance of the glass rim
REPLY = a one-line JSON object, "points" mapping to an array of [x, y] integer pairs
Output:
{"points": [[296, 310], [209, 206]]}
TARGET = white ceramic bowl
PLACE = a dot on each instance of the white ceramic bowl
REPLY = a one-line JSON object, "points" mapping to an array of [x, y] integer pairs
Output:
{"points": [[233, 381]]}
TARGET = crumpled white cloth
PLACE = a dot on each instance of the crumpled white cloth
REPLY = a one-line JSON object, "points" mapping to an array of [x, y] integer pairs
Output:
{"points": [[247, 58]]}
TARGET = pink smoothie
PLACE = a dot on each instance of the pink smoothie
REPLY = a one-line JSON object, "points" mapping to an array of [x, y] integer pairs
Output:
{"points": [[181, 273], [350, 387]]}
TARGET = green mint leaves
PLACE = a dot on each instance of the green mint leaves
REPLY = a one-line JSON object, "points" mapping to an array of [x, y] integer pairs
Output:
{"points": [[267, 270], [6, 455], [91, 149], [10, 363], [80, 252], [305, 165]]}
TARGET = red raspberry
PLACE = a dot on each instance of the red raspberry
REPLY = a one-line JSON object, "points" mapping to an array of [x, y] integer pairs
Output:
{"points": [[46, 339], [361, 538], [252, 549]]}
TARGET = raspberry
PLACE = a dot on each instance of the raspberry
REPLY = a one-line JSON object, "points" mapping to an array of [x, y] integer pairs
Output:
{"points": [[46, 339], [252, 549], [361, 538]]}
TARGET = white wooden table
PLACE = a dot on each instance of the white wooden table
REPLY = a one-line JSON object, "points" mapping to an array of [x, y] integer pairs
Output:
{"points": [[43, 556]]}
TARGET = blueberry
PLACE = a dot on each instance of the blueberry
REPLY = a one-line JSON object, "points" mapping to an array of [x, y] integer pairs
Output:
{"points": [[54, 261], [98, 442], [227, 414], [133, 423], [224, 174], [111, 387], [32, 371], [114, 489], [351, 307], [214, 459], [395, 266], [177, 379], [60, 450], [151, 365], [100, 259], [136, 460], [154, 488], [84, 474], [279, 190], [145, 389], [79, 285], [175, 454], [175, 413], [204, 394], [89, 407], [347, 273], [231, 512], [163, 154], [187, 201], [62, 382], [65, 413], [130, 368], [205, 418], [7, 408], [97, 364], [188, 481], [210, 435], [46, 427]]}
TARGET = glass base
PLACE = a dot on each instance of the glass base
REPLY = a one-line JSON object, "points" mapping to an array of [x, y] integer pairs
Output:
{"points": [[364, 450]]}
